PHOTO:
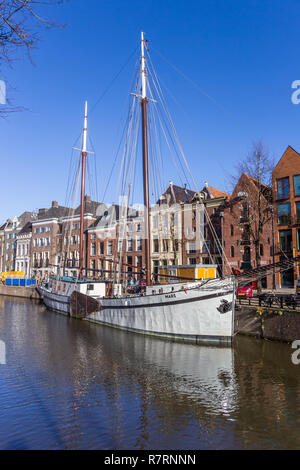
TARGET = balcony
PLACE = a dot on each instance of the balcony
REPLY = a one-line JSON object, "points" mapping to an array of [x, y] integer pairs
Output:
{"points": [[245, 241]]}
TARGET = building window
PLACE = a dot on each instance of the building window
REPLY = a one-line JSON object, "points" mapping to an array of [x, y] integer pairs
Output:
{"points": [[192, 261], [109, 247], [165, 245], [36, 230], [74, 226], [297, 212], [120, 245], [93, 249], [261, 250], [232, 252], [101, 248], [298, 239], [139, 245], [285, 240], [283, 188], [48, 229], [247, 254], [296, 179], [129, 244], [231, 230], [42, 229], [191, 247], [284, 214], [155, 245], [93, 236], [245, 212]]}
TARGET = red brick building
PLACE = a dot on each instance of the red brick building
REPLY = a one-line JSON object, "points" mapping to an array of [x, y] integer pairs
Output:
{"points": [[55, 237], [239, 222], [286, 197], [113, 241], [45, 234]]}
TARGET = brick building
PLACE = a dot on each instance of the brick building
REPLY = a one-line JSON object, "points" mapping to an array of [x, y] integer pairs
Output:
{"points": [[55, 237], [286, 197], [23, 249], [181, 232], [239, 220], [116, 235], [68, 240], [9, 232], [46, 230]]}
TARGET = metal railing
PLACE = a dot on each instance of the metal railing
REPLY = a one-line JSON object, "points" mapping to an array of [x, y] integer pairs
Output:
{"points": [[245, 241], [270, 300]]}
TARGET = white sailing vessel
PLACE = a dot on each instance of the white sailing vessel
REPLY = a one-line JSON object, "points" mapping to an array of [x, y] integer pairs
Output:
{"points": [[196, 311]]}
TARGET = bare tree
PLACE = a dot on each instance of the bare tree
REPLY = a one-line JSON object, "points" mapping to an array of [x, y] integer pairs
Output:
{"points": [[20, 24], [253, 194]]}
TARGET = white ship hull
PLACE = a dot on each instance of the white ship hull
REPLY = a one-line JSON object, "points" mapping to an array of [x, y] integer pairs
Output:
{"points": [[190, 312], [57, 302]]}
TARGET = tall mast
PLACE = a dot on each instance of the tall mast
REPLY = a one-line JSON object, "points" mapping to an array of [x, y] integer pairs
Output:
{"points": [[144, 102], [83, 165]]}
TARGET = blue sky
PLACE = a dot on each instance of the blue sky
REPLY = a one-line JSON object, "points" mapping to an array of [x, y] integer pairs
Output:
{"points": [[244, 55]]}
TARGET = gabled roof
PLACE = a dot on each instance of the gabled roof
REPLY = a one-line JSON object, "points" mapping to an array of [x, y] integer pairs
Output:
{"points": [[176, 194], [26, 229], [110, 215], [289, 154], [90, 207], [252, 182]]}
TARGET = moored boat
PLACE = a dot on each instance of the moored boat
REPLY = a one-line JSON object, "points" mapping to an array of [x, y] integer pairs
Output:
{"points": [[197, 311]]}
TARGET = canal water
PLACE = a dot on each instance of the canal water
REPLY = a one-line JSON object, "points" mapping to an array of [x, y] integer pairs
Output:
{"points": [[70, 384]]}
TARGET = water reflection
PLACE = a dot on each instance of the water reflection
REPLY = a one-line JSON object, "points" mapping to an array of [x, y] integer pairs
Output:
{"points": [[72, 384]]}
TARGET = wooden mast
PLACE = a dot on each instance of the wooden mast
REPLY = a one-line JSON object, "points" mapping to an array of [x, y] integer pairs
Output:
{"points": [[83, 166], [144, 102]]}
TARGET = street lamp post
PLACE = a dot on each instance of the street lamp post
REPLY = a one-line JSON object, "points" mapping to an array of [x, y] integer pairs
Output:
{"points": [[273, 249]]}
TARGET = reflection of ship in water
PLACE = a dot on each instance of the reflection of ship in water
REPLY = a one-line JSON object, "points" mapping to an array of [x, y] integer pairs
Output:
{"points": [[94, 387]]}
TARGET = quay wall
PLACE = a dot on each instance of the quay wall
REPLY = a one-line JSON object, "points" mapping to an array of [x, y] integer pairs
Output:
{"points": [[268, 323], [29, 292]]}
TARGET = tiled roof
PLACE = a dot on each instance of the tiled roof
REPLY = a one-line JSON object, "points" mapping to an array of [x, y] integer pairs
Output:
{"points": [[53, 212], [217, 192], [90, 207]]}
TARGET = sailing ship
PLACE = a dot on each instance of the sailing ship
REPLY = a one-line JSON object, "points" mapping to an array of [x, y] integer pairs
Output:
{"points": [[196, 310]]}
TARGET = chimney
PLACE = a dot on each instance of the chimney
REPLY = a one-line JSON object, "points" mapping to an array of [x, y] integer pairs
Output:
{"points": [[87, 198], [54, 204]]}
